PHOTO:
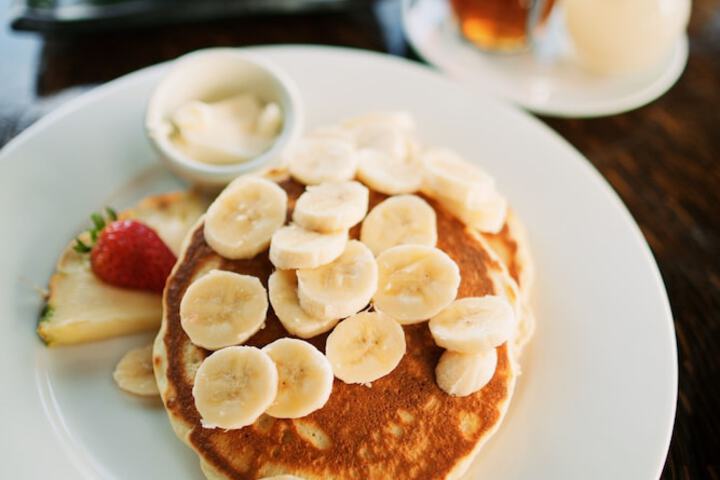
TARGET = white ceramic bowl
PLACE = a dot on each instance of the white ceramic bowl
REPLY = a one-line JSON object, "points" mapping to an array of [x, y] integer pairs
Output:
{"points": [[211, 75]]}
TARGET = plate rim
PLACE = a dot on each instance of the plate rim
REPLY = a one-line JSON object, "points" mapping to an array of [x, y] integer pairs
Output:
{"points": [[97, 93]]}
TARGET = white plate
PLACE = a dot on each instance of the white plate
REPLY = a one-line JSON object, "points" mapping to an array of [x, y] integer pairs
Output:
{"points": [[597, 396], [549, 83]]}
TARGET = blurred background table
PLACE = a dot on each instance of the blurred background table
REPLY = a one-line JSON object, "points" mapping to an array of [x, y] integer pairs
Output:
{"points": [[663, 159]]}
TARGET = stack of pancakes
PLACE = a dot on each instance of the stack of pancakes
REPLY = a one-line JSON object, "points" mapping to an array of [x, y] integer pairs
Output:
{"points": [[403, 426]]}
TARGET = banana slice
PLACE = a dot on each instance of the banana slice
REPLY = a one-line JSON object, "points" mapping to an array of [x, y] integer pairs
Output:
{"points": [[474, 324], [134, 372], [449, 176], [333, 132], [223, 308], [461, 374], [282, 288], [305, 378], [400, 220], [383, 137], [317, 160], [234, 386], [331, 207], [295, 247], [389, 174], [487, 217], [342, 287], [415, 282], [365, 347], [241, 220]]}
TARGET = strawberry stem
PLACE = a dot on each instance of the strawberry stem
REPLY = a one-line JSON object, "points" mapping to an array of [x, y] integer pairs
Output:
{"points": [[81, 247], [98, 221]]}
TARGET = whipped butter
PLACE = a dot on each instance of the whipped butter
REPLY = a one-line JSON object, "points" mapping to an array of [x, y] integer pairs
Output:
{"points": [[232, 130]]}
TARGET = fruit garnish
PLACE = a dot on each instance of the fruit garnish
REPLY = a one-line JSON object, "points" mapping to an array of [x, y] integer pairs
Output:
{"points": [[99, 223], [127, 253]]}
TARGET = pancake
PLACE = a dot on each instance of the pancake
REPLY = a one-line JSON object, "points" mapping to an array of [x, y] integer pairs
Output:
{"points": [[512, 248], [403, 426], [511, 245]]}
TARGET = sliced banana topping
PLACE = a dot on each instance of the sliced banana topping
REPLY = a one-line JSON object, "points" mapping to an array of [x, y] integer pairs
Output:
{"points": [[448, 175], [241, 220], [331, 207], [134, 372], [294, 247], [342, 287], [333, 132], [415, 282], [282, 288], [317, 160], [399, 220], [386, 138], [474, 324], [322, 276], [305, 378], [461, 374], [234, 386], [487, 216], [365, 347], [389, 174], [223, 308]]}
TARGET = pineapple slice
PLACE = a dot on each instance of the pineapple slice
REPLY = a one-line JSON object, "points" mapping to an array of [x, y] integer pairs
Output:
{"points": [[82, 308]]}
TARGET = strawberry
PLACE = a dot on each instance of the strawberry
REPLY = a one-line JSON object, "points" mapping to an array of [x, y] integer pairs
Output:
{"points": [[127, 253]]}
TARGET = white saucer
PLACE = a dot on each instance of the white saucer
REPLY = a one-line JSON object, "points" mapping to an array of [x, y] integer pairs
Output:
{"points": [[549, 83]]}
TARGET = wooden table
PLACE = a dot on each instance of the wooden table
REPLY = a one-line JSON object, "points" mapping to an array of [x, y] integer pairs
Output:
{"points": [[663, 159]]}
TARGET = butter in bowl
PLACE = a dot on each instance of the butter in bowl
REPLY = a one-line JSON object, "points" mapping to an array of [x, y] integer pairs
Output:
{"points": [[219, 113]]}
